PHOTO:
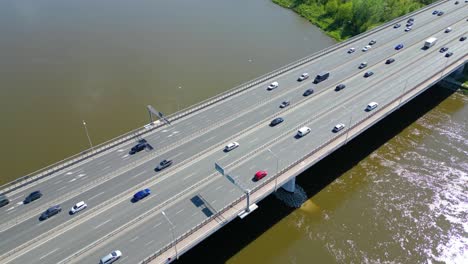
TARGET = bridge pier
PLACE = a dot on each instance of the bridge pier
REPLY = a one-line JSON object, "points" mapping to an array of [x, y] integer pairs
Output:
{"points": [[290, 186]]}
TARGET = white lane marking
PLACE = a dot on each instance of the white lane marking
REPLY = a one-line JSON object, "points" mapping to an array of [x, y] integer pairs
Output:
{"points": [[72, 180], [11, 208], [133, 239], [19, 203], [58, 182], [61, 188], [180, 211], [105, 168], [219, 187], [213, 202], [10, 212], [49, 253], [149, 242], [177, 155], [96, 227], [268, 158], [194, 214], [158, 224], [138, 174], [120, 150], [69, 173], [175, 132], [81, 175], [208, 139], [238, 124], [124, 156], [101, 193], [190, 175], [170, 135]]}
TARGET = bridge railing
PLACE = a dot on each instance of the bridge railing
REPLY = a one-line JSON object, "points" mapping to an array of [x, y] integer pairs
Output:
{"points": [[75, 159], [293, 164]]}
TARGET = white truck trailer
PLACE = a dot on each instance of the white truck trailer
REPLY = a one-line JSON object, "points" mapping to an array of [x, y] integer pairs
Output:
{"points": [[430, 42]]}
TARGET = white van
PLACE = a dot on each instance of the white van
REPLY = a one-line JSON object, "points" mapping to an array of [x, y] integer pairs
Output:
{"points": [[303, 131], [371, 106]]}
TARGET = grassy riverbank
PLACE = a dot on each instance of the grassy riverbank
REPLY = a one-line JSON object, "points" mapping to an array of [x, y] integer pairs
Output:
{"points": [[342, 19]]}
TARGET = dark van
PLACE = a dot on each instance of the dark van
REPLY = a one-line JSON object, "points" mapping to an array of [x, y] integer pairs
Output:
{"points": [[321, 77]]}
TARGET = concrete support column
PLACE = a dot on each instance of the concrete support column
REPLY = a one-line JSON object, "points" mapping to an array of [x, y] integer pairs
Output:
{"points": [[459, 71], [290, 186]]}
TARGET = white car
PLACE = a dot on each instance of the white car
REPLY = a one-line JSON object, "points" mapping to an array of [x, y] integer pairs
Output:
{"points": [[371, 106], [231, 146], [338, 127], [366, 48], [78, 207], [351, 50], [447, 30], [408, 29], [303, 76], [111, 257], [273, 85]]}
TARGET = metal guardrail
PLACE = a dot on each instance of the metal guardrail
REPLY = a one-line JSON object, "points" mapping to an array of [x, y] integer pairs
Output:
{"points": [[65, 163], [291, 165]]}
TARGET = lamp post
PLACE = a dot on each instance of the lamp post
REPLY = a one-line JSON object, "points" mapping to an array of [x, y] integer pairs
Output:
{"points": [[277, 165], [87, 135], [172, 231]]}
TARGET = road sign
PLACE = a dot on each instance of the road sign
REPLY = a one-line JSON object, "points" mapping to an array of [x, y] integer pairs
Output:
{"points": [[219, 168]]}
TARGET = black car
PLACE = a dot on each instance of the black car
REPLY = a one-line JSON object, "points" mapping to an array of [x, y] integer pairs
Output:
{"points": [[440, 13], [138, 147], [463, 38], [164, 164], [443, 49], [435, 12], [33, 196], [368, 74], [276, 121], [50, 212], [396, 25], [308, 92], [456, 2], [3, 200], [410, 20], [372, 42], [448, 54], [340, 87], [390, 60]]}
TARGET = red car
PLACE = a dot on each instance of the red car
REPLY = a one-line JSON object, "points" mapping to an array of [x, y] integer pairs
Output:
{"points": [[260, 174]]}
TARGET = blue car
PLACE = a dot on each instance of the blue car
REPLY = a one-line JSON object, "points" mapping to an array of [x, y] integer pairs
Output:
{"points": [[399, 47], [435, 12], [141, 194]]}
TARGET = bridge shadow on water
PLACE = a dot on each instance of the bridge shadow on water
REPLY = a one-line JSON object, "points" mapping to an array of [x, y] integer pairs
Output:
{"points": [[231, 239]]}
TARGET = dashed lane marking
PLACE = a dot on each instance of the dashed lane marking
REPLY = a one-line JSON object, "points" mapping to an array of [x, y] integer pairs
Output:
{"points": [[49, 253], [103, 223]]}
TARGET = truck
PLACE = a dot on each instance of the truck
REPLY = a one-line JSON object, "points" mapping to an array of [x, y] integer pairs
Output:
{"points": [[430, 42]]}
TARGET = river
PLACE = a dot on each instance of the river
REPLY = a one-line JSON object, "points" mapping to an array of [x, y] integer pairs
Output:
{"points": [[396, 194]]}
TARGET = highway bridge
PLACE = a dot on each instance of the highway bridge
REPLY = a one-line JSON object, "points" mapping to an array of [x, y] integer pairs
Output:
{"points": [[191, 199]]}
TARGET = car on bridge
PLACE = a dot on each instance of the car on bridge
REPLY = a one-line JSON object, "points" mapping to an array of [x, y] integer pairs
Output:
{"points": [[78, 207], [390, 61], [141, 194], [302, 131], [138, 147], [440, 13], [408, 29], [340, 87], [285, 103], [308, 92], [443, 49], [276, 121], [272, 86], [111, 257], [447, 30], [351, 50], [463, 38], [366, 48], [50, 212], [368, 74], [371, 106], [372, 42], [260, 175], [303, 76], [3, 200], [163, 164], [32, 197], [435, 12], [231, 146], [397, 25], [362, 65], [399, 46], [338, 127], [448, 54]]}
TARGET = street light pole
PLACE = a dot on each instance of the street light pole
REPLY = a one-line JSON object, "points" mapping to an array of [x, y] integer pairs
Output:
{"points": [[87, 135], [277, 166], [172, 231]]}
